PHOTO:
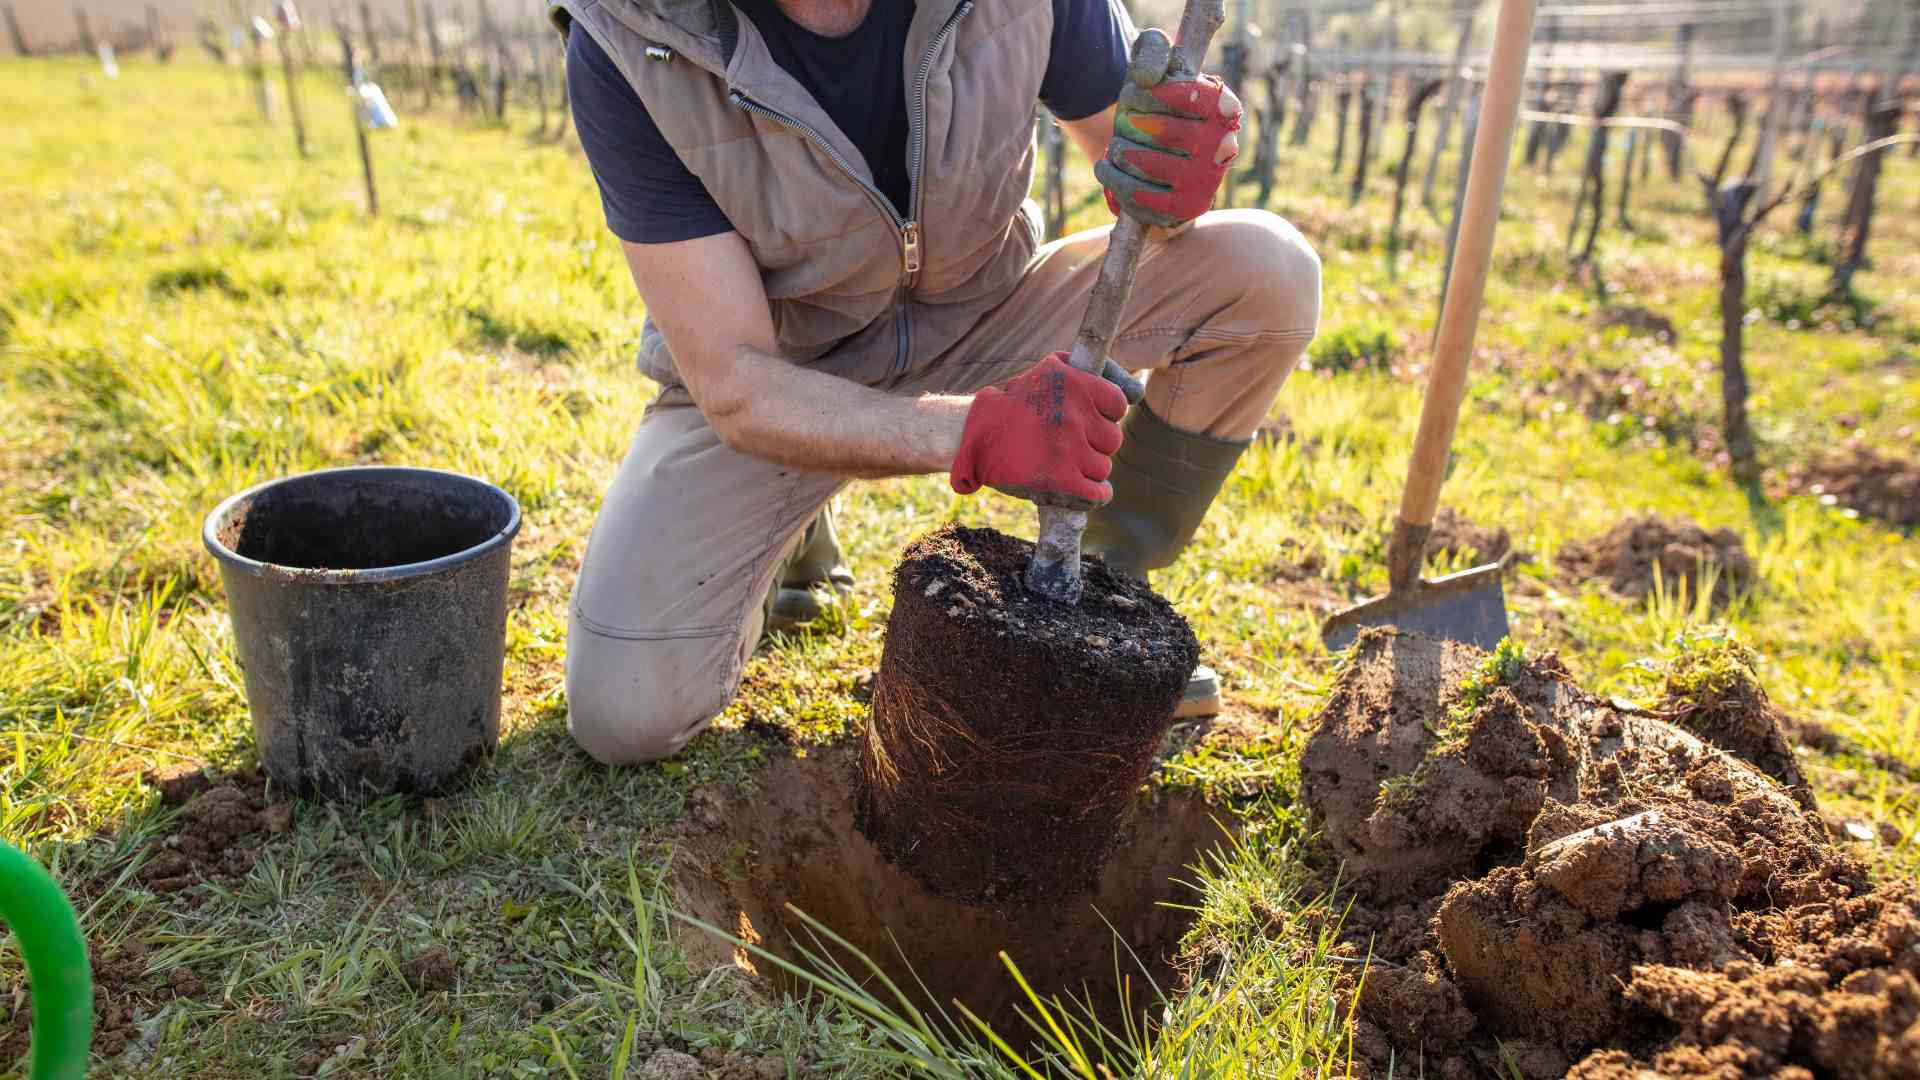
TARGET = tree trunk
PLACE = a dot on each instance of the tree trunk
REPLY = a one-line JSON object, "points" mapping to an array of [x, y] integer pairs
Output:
{"points": [[1343, 102], [1365, 153], [1857, 224], [1456, 90], [1607, 104], [1266, 157], [1626, 179], [20, 47], [1737, 105], [1733, 366], [1416, 102]]}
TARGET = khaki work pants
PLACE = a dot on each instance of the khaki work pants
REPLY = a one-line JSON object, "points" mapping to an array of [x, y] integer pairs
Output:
{"points": [[669, 601]]}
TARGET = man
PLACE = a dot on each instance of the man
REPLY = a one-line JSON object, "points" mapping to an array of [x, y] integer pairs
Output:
{"points": [[823, 205]]}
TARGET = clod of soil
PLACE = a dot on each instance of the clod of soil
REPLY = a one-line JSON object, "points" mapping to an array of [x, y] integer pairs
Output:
{"points": [[793, 842], [1010, 732], [1635, 320], [218, 832], [1877, 485], [1630, 555], [672, 1065], [1535, 867], [429, 970], [1454, 535], [1714, 692]]}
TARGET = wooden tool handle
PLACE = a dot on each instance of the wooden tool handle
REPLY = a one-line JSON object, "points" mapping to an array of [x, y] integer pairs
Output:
{"points": [[1055, 570], [1473, 253]]}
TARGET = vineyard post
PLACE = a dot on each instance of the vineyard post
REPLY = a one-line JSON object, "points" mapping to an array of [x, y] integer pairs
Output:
{"points": [[1680, 98], [257, 68], [1303, 81], [1760, 167], [359, 120], [1468, 132], [284, 42]]}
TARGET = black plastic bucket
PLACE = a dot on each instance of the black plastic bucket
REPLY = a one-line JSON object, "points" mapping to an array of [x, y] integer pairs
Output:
{"points": [[370, 613]]}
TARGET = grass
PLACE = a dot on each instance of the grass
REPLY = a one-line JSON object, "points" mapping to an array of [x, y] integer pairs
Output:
{"points": [[187, 309]]}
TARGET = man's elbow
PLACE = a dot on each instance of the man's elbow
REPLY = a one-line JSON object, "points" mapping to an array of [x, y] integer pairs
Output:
{"points": [[728, 401]]}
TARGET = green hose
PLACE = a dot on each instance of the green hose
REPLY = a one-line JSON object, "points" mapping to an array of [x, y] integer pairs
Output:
{"points": [[44, 924]]}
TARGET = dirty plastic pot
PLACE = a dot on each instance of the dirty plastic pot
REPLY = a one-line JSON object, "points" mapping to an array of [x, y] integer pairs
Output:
{"points": [[370, 611]]}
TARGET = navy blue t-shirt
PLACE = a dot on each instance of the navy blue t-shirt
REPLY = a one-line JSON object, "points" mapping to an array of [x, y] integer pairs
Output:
{"points": [[651, 197]]}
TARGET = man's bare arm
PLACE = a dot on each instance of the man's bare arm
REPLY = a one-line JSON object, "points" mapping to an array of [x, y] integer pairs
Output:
{"points": [[705, 296], [1091, 134]]}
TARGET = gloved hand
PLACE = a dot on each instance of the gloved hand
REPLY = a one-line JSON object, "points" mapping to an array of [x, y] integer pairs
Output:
{"points": [[1048, 436], [1172, 141]]}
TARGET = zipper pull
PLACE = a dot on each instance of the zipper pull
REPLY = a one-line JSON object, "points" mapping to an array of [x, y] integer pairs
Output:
{"points": [[910, 246]]}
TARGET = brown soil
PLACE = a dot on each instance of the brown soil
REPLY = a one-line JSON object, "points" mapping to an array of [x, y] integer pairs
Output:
{"points": [[429, 970], [1877, 485], [221, 825], [223, 821], [1547, 880], [1010, 732], [1628, 556], [1723, 703], [1455, 536], [793, 842]]}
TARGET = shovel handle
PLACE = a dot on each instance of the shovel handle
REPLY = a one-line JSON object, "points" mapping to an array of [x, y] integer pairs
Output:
{"points": [[1473, 254], [1055, 570]]}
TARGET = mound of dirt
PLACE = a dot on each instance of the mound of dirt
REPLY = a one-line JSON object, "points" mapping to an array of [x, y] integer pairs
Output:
{"points": [[1877, 485], [1455, 536], [1543, 877], [1630, 555], [218, 833]]}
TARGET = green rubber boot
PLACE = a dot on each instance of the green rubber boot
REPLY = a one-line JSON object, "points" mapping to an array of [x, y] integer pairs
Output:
{"points": [[799, 592], [1164, 479]]}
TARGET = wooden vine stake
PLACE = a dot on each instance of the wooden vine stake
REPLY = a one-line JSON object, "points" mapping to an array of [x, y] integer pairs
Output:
{"points": [[352, 72]]}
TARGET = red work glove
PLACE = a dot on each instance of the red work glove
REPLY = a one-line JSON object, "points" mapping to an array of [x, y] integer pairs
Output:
{"points": [[1048, 436], [1160, 166]]}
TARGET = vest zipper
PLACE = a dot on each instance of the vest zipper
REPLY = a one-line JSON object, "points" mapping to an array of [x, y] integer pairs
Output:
{"points": [[909, 244], [917, 133]]}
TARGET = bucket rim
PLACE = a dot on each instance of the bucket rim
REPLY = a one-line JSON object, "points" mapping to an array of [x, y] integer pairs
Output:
{"points": [[209, 530]]}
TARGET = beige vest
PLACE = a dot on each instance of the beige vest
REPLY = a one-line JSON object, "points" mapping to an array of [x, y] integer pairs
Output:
{"points": [[855, 287]]}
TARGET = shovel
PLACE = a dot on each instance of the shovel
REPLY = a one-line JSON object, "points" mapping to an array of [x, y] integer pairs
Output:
{"points": [[1469, 606]]}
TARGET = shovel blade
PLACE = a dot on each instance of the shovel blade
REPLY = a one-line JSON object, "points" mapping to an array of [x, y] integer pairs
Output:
{"points": [[1469, 607]]}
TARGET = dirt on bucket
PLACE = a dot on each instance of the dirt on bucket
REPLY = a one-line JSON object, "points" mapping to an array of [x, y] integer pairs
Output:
{"points": [[750, 863], [1547, 881], [1679, 552]]}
